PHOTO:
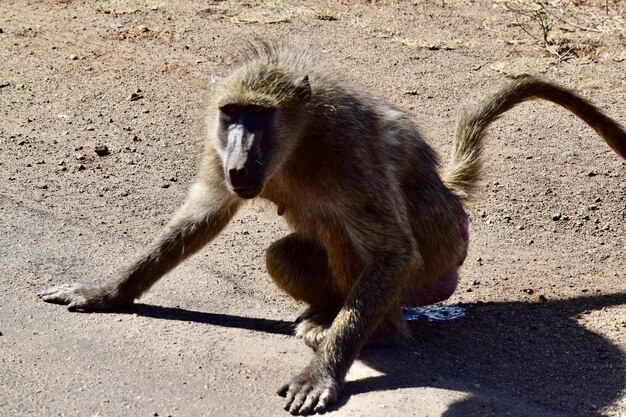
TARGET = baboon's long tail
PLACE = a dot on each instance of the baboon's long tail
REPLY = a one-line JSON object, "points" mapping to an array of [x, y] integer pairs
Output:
{"points": [[463, 171]]}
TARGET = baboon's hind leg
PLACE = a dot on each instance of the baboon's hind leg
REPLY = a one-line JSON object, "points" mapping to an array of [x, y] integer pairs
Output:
{"points": [[299, 266]]}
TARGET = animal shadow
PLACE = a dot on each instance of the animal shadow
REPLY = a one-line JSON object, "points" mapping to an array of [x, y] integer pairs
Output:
{"points": [[510, 357]]}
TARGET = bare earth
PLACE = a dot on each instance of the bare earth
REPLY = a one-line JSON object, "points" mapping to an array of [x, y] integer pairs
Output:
{"points": [[545, 279]]}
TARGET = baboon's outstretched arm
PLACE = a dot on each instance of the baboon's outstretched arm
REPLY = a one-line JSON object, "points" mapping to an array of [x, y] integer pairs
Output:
{"points": [[204, 214]]}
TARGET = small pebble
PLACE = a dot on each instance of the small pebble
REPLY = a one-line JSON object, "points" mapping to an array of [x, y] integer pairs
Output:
{"points": [[136, 95], [102, 150]]}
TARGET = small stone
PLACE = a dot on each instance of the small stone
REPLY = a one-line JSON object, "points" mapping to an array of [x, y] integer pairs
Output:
{"points": [[165, 185], [81, 156], [81, 167], [592, 173], [137, 95], [74, 57], [102, 150], [542, 298], [556, 216], [4, 84]]}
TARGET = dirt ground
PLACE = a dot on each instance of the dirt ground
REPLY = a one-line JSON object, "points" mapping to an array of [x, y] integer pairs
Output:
{"points": [[545, 279]]}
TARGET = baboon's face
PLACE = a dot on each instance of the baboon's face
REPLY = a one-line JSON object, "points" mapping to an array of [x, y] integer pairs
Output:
{"points": [[246, 136]]}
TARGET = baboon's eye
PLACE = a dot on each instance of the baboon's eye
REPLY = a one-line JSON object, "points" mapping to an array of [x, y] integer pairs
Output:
{"points": [[257, 109], [229, 113], [229, 109]]}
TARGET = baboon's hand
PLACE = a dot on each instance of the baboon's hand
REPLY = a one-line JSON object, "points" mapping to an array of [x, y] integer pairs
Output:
{"points": [[82, 297], [310, 392]]}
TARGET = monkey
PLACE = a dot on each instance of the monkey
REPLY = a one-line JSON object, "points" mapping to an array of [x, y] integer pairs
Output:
{"points": [[376, 223]]}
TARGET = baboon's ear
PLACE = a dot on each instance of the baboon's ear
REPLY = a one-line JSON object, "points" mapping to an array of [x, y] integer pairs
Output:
{"points": [[303, 88]]}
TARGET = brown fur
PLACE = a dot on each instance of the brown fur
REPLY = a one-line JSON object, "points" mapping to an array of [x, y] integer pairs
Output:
{"points": [[373, 223]]}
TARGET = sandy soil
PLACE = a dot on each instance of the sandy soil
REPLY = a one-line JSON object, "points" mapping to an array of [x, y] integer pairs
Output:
{"points": [[545, 278]]}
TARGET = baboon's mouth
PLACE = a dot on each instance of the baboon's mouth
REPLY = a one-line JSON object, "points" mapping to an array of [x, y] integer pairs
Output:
{"points": [[247, 192]]}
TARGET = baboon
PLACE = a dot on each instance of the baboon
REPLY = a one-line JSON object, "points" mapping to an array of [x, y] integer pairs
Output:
{"points": [[375, 225]]}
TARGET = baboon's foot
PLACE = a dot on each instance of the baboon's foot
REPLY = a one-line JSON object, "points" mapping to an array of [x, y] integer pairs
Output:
{"points": [[313, 326]]}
